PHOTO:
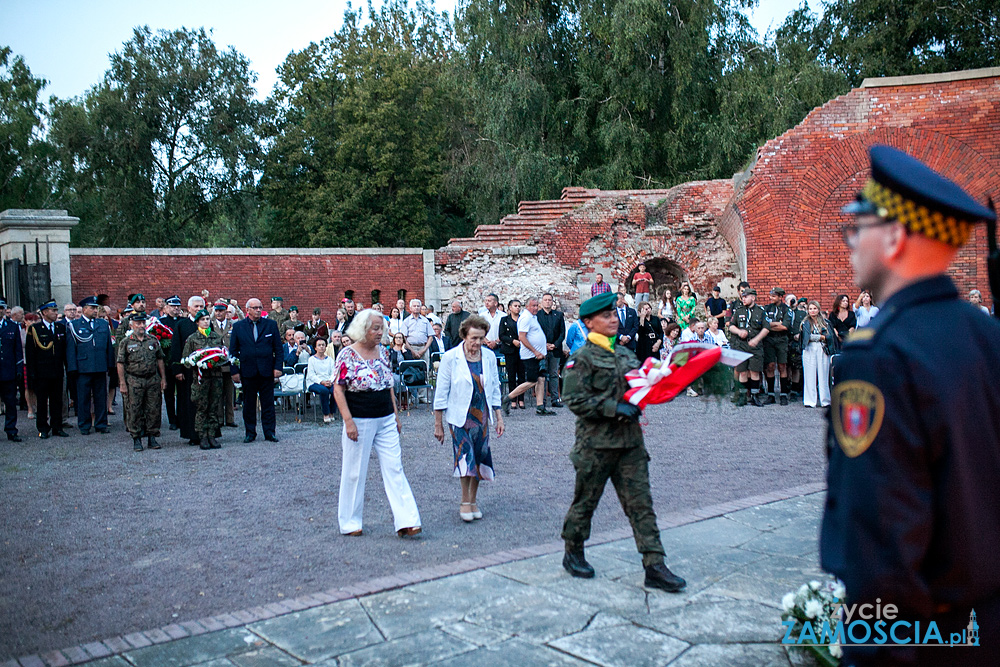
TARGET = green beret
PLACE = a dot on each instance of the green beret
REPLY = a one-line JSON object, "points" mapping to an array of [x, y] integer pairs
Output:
{"points": [[200, 314], [135, 297], [598, 304]]}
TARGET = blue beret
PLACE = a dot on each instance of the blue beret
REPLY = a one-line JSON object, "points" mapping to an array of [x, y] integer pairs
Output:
{"points": [[598, 304], [88, 301], [925, 202]]}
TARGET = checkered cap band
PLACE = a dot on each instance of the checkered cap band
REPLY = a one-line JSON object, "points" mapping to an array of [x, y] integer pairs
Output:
{"points": [[916, 217]]}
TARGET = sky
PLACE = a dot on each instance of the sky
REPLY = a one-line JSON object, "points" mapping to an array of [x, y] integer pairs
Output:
{"points": [[67, 42]]}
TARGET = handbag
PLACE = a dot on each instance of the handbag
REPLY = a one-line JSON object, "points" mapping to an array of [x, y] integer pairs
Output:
{"points": [[414, 375]]}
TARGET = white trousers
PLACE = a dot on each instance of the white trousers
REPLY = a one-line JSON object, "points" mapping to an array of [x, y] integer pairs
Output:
{"points": [[815, 375], [382, 434]]}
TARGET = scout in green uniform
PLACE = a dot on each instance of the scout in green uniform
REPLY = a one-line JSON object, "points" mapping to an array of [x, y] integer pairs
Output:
{"points": [[142, 378], [779, 318], [609, 444], [206, 391], [747, 330]]}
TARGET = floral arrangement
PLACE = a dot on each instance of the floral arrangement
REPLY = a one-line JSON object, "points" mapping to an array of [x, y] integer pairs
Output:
{"points": [[159, 331], [660, 381], [813, 603], [208, 358]]}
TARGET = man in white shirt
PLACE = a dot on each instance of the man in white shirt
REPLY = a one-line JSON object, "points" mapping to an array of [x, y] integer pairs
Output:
{"points": [[532, 352], [491, 313], [419, 335]]}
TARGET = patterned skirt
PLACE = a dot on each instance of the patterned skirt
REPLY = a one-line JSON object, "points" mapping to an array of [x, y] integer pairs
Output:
{"points": [[471, 442]]}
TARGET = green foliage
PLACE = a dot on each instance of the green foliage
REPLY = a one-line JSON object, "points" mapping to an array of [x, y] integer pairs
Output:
{"points": [[23, 151]]}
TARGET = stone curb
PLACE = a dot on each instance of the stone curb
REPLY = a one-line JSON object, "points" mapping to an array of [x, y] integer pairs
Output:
{"points": [[83, 653]]}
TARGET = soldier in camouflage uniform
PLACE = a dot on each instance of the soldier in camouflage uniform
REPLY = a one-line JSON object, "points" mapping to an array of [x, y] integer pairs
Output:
{"points": [[206, 390], [608, 444], [142, 378], [278, 314]]}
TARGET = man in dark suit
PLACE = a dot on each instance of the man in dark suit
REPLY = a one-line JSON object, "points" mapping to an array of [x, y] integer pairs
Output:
{"points": [[171, 316], [553, 323], [45, 354], [183, 375], [90, 354], [454, 321], [256, 344], [11, 369], [628, 323]]}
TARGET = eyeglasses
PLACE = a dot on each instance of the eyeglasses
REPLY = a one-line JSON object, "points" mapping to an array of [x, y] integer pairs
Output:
{"points": [[851, 232], [255, 307]]}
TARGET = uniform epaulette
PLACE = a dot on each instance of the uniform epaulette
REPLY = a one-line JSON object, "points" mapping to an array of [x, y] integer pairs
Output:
{"points": [[861, 337]]}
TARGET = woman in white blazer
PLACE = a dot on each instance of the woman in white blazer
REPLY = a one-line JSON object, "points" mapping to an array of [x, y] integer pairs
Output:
{"points": [[468, 397]]}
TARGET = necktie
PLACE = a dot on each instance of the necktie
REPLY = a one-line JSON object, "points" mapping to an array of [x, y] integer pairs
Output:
{"points": [[255, 331]]}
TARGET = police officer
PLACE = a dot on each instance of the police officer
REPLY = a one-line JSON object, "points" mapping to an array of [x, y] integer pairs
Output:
{"points": [[142, 378], [747, 330], [11, 370], [912, 515], [90, 354], [608, 444], [779, 318], [206, 388], [172, 317], [45, 357]]}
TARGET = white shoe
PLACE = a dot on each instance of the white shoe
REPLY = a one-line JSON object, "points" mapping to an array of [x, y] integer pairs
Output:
{"points": [[326, 419], [476, 514], [466, 516], [691, 392]]}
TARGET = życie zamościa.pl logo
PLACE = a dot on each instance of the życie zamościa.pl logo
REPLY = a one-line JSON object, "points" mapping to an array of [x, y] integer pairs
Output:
{"points": [[876, 625]]}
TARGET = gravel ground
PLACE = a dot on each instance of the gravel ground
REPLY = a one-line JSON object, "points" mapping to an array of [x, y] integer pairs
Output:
{"points": [[99, 541]]}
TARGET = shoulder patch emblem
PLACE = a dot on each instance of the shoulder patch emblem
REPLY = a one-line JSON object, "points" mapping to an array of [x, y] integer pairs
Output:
{"points": [[858, 408], [858, 335], [570, 364]]}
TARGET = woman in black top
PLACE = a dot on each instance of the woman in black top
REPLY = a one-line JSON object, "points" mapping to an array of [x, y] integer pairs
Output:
{"points": [[650, 336], [509, 344], [842, 318]]}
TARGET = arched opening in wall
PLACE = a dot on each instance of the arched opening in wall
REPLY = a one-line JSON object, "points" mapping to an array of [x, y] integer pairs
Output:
{"points": [[666, 275]]}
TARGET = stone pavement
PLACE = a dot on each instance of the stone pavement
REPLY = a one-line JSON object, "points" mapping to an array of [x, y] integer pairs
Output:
{"points": [[520, 608]]}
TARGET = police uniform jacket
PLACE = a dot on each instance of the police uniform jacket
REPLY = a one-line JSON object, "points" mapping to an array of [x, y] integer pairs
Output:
{"points": [[88, 346], [45, 351], [913, 507], [11, 351], [260, 357], [593, 386]]}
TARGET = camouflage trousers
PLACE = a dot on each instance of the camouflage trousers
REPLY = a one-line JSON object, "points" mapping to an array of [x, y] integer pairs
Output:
{"points": [[142, 405], [628, 470], [208, 401]]}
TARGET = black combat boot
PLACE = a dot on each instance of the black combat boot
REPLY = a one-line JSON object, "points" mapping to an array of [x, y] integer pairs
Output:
{"points": [[152, 443], [660, 576], [205, 442], [214, 443], [137, 444], [741, 399], [757, 400], [575, 563]]}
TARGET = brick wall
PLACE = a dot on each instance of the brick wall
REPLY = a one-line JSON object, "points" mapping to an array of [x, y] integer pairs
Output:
{"points": [[789, 205], [304, 280]]}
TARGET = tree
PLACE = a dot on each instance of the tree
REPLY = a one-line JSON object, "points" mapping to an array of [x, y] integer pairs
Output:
{"points": [[360, 142], [23, 151], [153, 152]]}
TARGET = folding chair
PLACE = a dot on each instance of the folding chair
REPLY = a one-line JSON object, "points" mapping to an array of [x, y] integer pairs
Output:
{"points": [[432, 371], [411, 388], [281, 393]]}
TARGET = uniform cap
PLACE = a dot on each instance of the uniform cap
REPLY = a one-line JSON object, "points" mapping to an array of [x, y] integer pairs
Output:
{"points": [[174, 301], [200, 314], [922, 200], [49, 304], [221, 305], [135, 297], [316, 311], [3, 303], [277, 298], [778, 291], [748, 291], [86, 301], [295, 308], [802, 299], [138, 316], [598, 304]]}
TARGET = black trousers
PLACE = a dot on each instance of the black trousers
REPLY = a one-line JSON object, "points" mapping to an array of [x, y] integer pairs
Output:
{"points": [[170, 396], [185, 408], [261, 387], [49, 395], [91, 387], [8, 393], [515, 371]]}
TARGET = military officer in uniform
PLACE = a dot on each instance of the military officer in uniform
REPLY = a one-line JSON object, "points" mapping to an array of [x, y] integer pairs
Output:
{"points": [[912, 514], [608, 444], [90, 354], [142, 378], [223, 325], [170, 319], [278, 314], [11, 370], [779, 318], [45, 356], [747, 330], [206, 388], [136, 304]]}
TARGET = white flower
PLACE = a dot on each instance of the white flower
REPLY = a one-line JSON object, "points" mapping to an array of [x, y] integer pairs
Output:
{"points": [[839, 591], [835, 650], [814, 608], [803, 590], [788, 602], [814, 585]]}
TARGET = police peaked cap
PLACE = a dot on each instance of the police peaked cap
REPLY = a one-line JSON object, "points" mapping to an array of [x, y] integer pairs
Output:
{"points": [[49, 304], [925, 202], [3, 303], [221, 305], [88, 301], [138, 316], [174, 301], [598, 304]]}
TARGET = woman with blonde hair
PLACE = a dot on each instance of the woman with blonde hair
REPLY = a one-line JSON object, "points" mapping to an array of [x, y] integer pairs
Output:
{"points": [[818, 340]]}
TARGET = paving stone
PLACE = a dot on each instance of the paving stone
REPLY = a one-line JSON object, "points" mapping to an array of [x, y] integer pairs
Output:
{"points": [[719, 622], [193, 650], [471, 589], [269, 656], [419, 649], [605, 594], [622, 646], [705, 536], [732, 655], [321, 632], [405, 612], [777, 515], [801, 657], [767, 580], [548, 569], [475, 634], [113, 661], [512, 653], [218, 662], [783, 544], [535, 615], [606, 620]]}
